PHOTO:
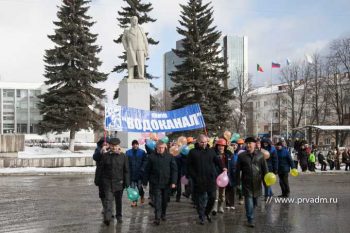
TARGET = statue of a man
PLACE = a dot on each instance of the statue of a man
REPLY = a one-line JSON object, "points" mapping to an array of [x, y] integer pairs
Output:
{"points": [[136, 45]]}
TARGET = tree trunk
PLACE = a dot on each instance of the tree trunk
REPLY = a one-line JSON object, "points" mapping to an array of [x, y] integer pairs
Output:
{"points": [[71, 140]]}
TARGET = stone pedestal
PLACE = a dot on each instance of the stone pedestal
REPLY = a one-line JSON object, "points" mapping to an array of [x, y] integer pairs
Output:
{"points": [[133, 93]]}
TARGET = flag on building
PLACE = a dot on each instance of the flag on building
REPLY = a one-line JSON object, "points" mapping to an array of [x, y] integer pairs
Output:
{"points": [[308, 58], [259, 68], [276, 65], [288, 62]]}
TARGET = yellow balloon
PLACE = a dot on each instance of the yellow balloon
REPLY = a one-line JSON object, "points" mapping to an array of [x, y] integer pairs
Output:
{"points": [[191, 146], [294, 172], [270, 179]]}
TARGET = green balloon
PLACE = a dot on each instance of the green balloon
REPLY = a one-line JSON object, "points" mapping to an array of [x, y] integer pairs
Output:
{"points": [[133, 194], [270, 179], [165, 139]]}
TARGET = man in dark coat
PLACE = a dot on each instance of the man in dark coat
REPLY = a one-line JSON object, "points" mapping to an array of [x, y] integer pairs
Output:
{"points": [[201, 165], [137, 161], [161, 173], [115, 177], [253, 167], [97, 156]]}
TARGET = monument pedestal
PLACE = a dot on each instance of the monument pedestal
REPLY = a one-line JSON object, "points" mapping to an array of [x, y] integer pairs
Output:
{"points": [[133, 93]]}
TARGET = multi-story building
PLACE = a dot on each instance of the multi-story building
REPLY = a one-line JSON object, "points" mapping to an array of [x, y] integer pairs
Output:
{"points": [[269, 112], [19, 113], [235, 52], [18, 107], [170, 61]]}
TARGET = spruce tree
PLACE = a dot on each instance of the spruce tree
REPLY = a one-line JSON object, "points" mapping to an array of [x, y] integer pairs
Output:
{"points": [[72, 102], [141, 11], [200, 78]]}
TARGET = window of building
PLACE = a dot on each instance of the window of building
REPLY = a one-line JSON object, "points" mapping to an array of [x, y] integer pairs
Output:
{"points": [[21, 128], [276, 114], [266, 103], [327, 141], [9, 93]]}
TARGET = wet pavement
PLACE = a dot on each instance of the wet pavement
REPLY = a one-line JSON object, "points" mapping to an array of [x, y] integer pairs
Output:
{"points": [[69, 203]]}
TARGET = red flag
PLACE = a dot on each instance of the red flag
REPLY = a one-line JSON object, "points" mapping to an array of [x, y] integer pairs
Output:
{"points": [[259, 68], [276, 65]]}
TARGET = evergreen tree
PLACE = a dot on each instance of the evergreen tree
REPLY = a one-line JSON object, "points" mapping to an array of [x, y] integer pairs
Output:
{"points": [[200, 78], [141, 11], [72, 71]]}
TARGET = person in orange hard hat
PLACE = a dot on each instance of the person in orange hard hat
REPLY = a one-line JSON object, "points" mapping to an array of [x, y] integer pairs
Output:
{"points": [[240, 141], [190, 140]]}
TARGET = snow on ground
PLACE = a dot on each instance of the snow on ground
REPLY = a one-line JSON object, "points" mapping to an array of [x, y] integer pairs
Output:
{"points": [[40, 170], [39, 152]]}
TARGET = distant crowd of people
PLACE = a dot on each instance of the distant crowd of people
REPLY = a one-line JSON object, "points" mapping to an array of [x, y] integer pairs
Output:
{"points": [[245, 162]]}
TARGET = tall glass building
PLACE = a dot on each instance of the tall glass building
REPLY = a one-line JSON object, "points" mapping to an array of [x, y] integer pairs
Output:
{"points": [[170, 61], [18, 107], [235, 51]]}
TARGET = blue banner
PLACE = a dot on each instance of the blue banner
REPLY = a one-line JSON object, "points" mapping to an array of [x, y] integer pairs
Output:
{"points": [[120, 118]]}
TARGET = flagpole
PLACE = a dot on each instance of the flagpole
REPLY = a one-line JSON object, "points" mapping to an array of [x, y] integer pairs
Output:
{"points": [[271, 104]]}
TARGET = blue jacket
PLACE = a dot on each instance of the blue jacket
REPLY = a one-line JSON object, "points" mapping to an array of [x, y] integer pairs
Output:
{"points": [[232, 162], [272, 162], [285, 161], [137, 162]]}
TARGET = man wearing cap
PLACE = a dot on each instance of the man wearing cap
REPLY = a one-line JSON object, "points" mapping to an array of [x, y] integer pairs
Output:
{"points": [[161, 173], [137, 161], [251, 168], [115, 177]]}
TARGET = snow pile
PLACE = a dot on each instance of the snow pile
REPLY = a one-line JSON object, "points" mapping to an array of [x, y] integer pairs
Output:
{"points": [[36, 170], [39, 152]]}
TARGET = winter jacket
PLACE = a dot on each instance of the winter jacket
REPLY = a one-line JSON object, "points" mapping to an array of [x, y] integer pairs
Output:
{"points": [[115, 171], [160, 170], [137, 161], [312, 158], [253, 167], [201, 165], [97, 157], [285, 161], [272, 161], [232, 163], [321, 157]]}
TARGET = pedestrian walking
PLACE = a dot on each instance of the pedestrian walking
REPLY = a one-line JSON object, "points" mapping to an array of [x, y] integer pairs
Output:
{"points": [[250, 171], [272, 162], [115, 177], [97, 156], [137, 162], [201, 164], [285, 163], [161, 173]]}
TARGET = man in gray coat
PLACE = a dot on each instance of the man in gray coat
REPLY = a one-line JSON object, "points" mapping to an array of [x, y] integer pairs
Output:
{"points": [[136, 45], [115, 177]]}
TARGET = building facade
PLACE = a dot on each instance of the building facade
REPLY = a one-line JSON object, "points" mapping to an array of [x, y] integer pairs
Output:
{"points": [[18, 107], [170, 63], [235, 52]]}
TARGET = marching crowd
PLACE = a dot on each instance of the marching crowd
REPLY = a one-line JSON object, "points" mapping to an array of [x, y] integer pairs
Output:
{"points": [[245, 162]]}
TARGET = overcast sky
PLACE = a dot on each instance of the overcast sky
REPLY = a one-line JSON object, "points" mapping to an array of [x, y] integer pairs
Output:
{"points": [[276, 29]]}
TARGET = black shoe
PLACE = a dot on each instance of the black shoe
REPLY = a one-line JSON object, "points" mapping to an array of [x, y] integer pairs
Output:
{"points": [[177, 199], [201, 221], [112, 216], [156, 222], [185, 195], [213, 212], [163, 218], [250, 224], [281, 195], [151, 204], [107, 222], [208, 218], [119, 220]]}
